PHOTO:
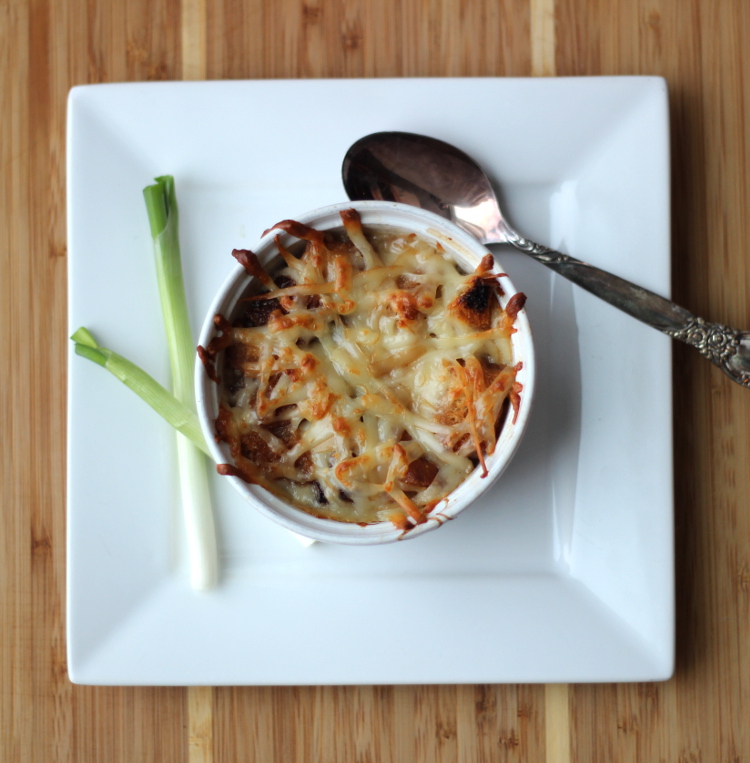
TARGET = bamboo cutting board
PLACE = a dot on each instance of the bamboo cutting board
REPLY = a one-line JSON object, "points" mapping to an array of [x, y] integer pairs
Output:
{"points": [[703, 713]]}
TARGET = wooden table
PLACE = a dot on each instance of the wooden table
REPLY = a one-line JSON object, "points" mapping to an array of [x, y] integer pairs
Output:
{"points": [[701, 47]]}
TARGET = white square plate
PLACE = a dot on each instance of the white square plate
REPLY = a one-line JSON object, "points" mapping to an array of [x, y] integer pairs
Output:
{"points": [[562, 571]]}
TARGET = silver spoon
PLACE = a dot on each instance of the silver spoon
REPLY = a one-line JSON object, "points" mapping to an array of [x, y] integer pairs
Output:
{"points": [[428, 173]]}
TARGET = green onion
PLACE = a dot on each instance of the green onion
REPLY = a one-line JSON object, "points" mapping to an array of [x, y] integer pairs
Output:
{"points": [[175, 413], [161, 204]]}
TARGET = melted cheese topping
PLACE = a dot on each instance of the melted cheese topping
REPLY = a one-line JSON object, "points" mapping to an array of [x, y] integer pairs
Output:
{"points": [[370, 377]]}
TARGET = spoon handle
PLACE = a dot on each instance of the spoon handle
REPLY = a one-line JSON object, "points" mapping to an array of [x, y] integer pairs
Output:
{"points": [[724, 346]]}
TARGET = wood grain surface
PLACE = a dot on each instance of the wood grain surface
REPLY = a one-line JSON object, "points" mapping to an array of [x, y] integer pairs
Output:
{"points": [[701, 47]]}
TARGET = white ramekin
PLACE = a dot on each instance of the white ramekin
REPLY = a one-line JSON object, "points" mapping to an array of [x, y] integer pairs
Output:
{"points": [[468, 252]]}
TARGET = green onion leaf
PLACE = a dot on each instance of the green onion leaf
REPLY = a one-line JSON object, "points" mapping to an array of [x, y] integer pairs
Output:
{"points": [[175, 413]]}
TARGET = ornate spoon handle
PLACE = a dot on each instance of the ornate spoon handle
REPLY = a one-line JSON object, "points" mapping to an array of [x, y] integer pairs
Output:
{"points": [[724, 346]]}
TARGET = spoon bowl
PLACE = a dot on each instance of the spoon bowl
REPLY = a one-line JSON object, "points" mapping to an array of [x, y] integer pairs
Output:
{"points": [[429, 173]]}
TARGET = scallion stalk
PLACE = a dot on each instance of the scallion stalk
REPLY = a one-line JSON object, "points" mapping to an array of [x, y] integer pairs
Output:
{"points": [[161, 204], [175, 413]]}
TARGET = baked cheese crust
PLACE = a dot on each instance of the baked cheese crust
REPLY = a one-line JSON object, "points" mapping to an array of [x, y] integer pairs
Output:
{"points": [[367, 377]]}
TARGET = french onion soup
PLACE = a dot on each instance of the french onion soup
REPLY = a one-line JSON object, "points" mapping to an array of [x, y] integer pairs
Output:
{"points": [[365, 376]]}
